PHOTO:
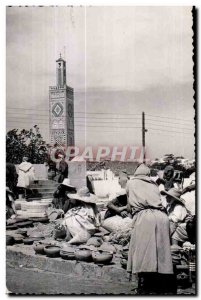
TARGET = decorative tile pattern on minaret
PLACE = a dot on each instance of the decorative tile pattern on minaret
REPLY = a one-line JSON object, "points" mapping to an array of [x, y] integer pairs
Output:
{"points": [[61, 108]]}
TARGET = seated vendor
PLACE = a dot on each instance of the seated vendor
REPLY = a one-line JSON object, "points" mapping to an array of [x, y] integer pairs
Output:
{"points": [[177, 214], [61, 199], [118, 205], [82, 220]]}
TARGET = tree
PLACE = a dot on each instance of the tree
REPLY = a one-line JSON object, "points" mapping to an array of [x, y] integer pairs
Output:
{"points": [[28, 143]]}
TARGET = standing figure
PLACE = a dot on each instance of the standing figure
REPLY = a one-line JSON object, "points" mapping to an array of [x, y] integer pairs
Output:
{"points": [[10, 204], [26, 174], [168, 178], [63, 169], [149, 252], [11, 177]]}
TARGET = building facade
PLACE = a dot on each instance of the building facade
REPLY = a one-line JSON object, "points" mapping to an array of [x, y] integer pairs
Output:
{"points": [[61, 108]]}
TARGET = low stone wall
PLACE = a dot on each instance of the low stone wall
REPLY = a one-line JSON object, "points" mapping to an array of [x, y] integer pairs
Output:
{"points": [[94, 279]]}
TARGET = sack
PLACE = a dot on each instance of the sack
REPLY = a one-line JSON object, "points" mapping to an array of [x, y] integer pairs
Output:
{"points": [[117, 223], [54, 213]]}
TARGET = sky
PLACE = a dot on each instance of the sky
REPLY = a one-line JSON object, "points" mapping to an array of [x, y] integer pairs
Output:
{"points": [[121, 61]]}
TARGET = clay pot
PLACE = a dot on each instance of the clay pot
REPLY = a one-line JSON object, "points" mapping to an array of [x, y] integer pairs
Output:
{"points": [[39, 247], [107, 247], [68, 249], [102, 257], [83, 255], [67, 255], [30, 241], [9, 240], [52, 251], [36, 235], [11, 227], [22, 232], [18, 239]]}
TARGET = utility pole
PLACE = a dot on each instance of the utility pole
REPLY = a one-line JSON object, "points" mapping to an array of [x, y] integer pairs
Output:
{"points": [[143, 136]]}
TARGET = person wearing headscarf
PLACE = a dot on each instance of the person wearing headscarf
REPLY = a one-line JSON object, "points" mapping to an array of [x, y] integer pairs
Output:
{"points": [[26, 174], [188, 195], [149, 251], [178, 216]]}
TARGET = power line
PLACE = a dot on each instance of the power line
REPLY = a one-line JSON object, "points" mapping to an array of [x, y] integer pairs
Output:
{"points": [[76, 117], [166, 134], [87, 123], [29, 121], [22, 108], [108, 113], [78, 112], [166, 122], [170, 126], [102, 113], [170, 131], [125, 127], [117, 114], [26, 115], [169, 118]]}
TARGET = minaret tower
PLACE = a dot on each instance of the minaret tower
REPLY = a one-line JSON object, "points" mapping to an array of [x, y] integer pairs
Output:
{"points": [[61, 108]]}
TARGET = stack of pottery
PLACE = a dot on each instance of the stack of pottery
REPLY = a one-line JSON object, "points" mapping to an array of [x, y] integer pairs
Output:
{"points": [[33, 237], [33, 209], [124, 259], [46, 200], [39, 247]]}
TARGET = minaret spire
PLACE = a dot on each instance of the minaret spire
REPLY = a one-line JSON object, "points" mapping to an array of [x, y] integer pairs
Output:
{"points": [[61, 71]]}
